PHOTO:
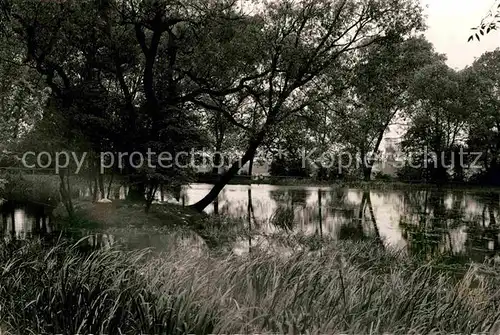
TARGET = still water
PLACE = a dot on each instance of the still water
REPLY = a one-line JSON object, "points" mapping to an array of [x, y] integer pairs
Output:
{"points": [[21, 221], [456, 222], [431, 221]]}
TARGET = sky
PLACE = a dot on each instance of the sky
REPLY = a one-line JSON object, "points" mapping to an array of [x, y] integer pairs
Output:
{"points": [[449, 26]]}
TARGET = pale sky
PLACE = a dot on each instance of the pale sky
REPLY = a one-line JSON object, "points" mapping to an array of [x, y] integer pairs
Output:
{"points": [[449, 23]]}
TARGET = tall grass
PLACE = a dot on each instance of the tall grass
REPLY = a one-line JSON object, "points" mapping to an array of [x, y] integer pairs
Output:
{"points": [[350, 287]]}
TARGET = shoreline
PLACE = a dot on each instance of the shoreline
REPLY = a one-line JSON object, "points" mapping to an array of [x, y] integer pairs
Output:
{"points": [[376, 184]]}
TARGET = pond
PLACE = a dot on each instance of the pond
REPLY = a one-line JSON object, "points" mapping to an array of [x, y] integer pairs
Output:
{"points": [[425, 221], [421, 221]]}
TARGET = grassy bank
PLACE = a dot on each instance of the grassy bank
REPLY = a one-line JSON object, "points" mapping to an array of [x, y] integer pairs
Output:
{"points": [[166, 226], [348, 287]]}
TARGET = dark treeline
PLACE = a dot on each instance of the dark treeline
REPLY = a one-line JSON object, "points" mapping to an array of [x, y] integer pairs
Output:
{"points": [[237, 77]]}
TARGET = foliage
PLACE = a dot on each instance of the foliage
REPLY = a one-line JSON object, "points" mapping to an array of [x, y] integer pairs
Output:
{"points": [[300, 45], [438, 118], [488, 23], [170, 77], [188, 292], [22, 94], [34, 189], [482, 104], [289, 167]]}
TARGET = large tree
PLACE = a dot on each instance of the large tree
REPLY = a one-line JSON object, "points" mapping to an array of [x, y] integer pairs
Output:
{"points": [[21, 93], [383, 77], [438, 119], [122, 73], [483, 103], [133, 74], [301, 42]]}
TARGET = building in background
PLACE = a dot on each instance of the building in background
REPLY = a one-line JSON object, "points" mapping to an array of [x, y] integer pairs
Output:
{"points": [[390, 158]]}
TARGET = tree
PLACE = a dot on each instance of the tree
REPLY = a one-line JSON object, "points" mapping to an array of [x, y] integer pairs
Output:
{"points": [[108, 82], [383, 76], [483, 102], [301, 41], [21, 94], [488, 23], [437, 118]]}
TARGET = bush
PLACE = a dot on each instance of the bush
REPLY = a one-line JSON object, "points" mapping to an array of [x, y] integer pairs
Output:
{"points": [[30, 188], [411, 174], [383, 177], [289, 167]]}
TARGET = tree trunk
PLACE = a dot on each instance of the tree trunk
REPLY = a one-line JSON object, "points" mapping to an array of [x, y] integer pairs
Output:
{"points": [[4, 225], [91, 188], [13, 227], [250, 167], [367, 172], [439, 174], [65, 191], [102, 191], [217, 158], [229, 174], [109, 186], [366, 165], [44, 224], [177, 192], [151, 196], [95, 190], [216, 206], [136, 192]]}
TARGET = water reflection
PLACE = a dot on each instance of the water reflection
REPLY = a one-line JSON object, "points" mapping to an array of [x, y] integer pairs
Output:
{"points": [[424, 222], [21, 221]]}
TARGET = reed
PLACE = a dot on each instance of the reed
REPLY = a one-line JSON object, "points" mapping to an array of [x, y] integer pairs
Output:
{"points": [[347, 287]]}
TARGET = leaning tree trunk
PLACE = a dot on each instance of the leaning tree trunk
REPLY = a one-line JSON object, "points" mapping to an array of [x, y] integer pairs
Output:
{"points": [[368, 161], [216, 206], [229, 174]]}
